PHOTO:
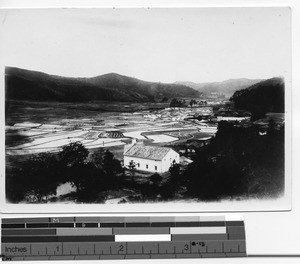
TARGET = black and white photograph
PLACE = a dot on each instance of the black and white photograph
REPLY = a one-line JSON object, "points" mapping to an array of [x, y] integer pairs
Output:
{"points": [[123, 106]]}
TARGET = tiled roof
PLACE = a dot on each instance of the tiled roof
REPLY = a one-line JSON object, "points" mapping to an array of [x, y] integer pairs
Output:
{"points": [[147, 152]]}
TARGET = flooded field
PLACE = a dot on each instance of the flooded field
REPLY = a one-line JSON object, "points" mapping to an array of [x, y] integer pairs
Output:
{"points": [[94, 128]]}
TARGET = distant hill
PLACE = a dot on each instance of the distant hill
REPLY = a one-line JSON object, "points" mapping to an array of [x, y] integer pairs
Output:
{"points": [[227, 87], [260, 98], [21, 84]]}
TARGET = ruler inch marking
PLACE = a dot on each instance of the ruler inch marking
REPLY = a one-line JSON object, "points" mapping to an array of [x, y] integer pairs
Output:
{"points": [[43, 240]]}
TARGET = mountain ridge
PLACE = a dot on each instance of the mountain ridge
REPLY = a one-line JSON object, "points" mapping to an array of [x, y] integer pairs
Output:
{"points": [[227, 87], [22, 84]]}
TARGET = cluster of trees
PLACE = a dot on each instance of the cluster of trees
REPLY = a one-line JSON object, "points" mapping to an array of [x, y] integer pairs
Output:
{"points": [[239, 161], [192, 102], [178, 103], [182, 103], [261, 98], [38, 177]]}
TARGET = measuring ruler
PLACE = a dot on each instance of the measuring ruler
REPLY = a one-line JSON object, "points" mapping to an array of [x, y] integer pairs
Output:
{"points": [[87, 238]]}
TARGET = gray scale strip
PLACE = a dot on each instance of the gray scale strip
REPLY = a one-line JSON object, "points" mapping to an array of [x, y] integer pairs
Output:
{"points": [[84, 238]]}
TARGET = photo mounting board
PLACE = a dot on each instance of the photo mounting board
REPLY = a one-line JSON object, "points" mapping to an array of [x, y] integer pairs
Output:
{"points": [[263, 235], [284, 204]]}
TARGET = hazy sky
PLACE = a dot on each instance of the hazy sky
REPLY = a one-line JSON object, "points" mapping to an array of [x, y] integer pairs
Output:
{"points": [[167, 45]]}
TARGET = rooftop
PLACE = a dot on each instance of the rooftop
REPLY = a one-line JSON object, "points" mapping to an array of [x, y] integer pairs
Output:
{"points": [[147, 152]]}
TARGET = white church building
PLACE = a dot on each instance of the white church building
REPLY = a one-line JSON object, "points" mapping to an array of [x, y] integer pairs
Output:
{"points": [[150, 158]]}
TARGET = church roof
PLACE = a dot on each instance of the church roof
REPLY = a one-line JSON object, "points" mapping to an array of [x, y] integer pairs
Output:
{"points": [[147, 152]]}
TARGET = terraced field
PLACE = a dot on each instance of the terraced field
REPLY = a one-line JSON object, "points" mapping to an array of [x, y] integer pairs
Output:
{"points": [[98, 129]]}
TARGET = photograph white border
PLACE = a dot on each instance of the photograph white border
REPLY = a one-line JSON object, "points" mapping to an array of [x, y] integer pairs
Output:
{"points": [[283, 204]]}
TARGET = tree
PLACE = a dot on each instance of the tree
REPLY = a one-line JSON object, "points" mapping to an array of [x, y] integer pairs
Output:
{"points": [[97, 158], [171, 186], [73, 154], [174, 103], [90, 182], [41, 177], [164, 99], [15, 185], [192, 102], [155, 178], [110, 164], [131, 167], [174, 173], [72, 160], [177, 103]]}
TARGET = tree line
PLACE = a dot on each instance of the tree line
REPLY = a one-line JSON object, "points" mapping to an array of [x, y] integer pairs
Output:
{"points": [[182, 103], [38, 177]]}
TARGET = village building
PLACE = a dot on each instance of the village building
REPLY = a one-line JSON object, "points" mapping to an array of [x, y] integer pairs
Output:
{"points": [[149, 158]]}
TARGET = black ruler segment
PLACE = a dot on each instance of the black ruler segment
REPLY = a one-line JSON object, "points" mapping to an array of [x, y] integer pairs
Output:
{"points": [[84, 238], [84, 225], [187, 224], [234, 223], [13, 225], [136, 224], [37, 225], [112, 224], [61, 225], [163, 224], [212, 223], [28, 232]]}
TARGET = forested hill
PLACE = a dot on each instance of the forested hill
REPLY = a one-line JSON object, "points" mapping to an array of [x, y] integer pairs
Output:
{"points": [[227, 87], [21, 84], [261, 98]]}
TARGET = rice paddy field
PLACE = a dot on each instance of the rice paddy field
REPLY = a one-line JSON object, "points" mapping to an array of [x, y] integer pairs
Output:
{"points": [[33, 128]]}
